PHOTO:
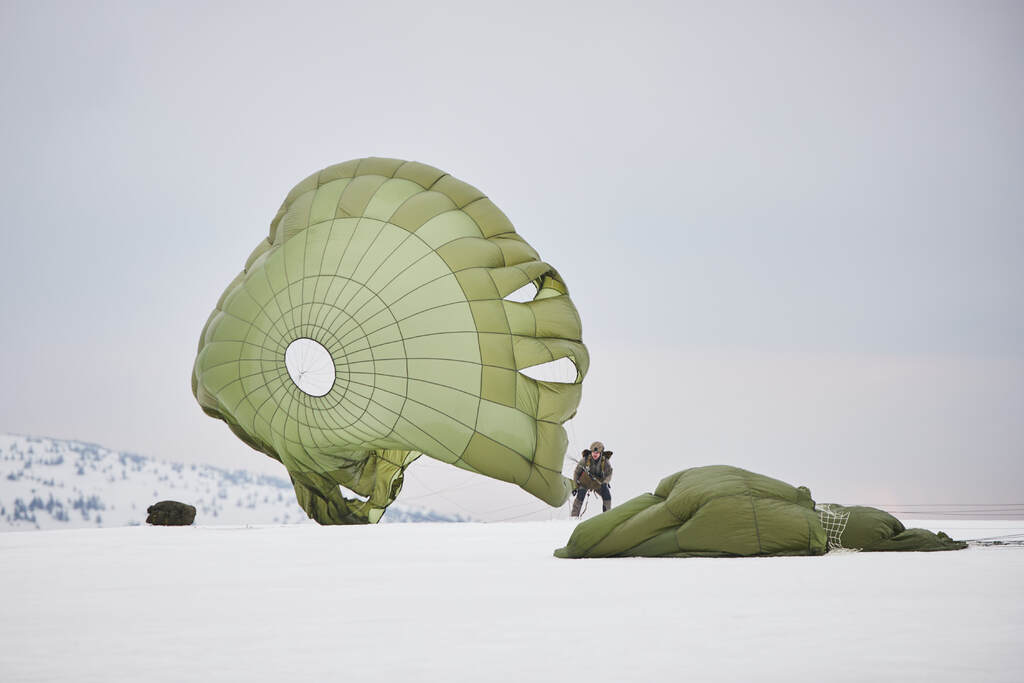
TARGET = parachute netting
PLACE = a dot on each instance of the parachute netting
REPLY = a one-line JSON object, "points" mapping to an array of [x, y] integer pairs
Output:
{"points": [[834, 522]]}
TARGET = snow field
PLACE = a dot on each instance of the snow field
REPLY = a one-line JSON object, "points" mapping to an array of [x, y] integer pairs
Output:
{"points": [[488, 602]]}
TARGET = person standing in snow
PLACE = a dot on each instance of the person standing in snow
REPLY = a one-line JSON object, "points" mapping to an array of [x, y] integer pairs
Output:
{"points": [[593, 472]]}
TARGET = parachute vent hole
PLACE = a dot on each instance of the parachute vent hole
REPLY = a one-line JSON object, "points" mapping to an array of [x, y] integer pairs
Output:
{"points": [[562, 370], [524, 294], [310, 366]]}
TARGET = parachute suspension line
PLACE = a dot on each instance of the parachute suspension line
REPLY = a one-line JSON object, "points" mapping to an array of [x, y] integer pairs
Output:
{"points": [[1012, 540], [525, 514], [439, 494], [572, 430], [998, 538], [1001, 544], [586, 501]]}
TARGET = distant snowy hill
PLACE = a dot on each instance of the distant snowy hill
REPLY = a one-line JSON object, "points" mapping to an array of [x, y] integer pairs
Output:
{"points": [[60, 484]]}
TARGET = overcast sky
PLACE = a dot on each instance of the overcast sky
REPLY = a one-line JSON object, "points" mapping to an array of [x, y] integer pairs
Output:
{"points": [[795, 233]]}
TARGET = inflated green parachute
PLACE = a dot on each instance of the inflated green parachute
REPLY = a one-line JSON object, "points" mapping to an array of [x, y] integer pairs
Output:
{"points": [[372, 326], [722, 511]]}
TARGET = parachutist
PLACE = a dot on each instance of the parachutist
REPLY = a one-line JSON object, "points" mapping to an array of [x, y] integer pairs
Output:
{"points": [[593, 473]]}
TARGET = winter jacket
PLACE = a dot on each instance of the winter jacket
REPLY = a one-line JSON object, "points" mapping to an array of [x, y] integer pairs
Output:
{"points": [[598, 471]]}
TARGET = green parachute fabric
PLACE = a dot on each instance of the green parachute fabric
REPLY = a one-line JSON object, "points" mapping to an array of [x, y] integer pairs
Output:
{"points": [[372, 326], [870, 529], [713, 511], [722, 511]]}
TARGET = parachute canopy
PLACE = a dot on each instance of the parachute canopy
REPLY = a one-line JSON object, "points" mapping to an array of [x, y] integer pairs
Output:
{"points": [[722, 511], [373, 325], [858, 527]]}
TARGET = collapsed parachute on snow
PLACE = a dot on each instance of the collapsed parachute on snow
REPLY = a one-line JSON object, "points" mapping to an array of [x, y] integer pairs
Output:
{"points": [[372, 326], [722, 511]]}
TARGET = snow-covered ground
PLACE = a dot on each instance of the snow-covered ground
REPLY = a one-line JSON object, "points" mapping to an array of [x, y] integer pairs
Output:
{"points": [[90, 597], [50, 483], [488, 602]]}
